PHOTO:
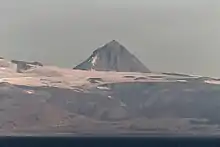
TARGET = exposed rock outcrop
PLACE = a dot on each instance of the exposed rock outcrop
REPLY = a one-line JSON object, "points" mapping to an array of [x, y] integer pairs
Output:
{"points": [[23, 65]]}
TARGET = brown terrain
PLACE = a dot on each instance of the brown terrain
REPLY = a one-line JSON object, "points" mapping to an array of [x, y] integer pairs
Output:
{"points": [[48, 100]]}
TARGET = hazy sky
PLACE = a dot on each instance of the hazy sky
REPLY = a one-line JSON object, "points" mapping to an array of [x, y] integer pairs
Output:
{"points": [[167, 35]]}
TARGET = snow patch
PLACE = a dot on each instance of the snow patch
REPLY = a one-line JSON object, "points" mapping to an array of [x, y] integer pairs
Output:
{"points": [[102, 88], [181, 80], [212, 82], [110, 97], [94, 60], [29, 91]]}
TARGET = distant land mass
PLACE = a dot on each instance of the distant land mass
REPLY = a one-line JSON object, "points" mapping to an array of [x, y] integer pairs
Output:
{"points": [[111, 93], [113, 57]]}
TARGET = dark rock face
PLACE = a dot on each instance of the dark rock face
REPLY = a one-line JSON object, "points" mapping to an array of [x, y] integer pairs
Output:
{"points": [[95, 80], [113, 57], [140, 78], [23, 65]]}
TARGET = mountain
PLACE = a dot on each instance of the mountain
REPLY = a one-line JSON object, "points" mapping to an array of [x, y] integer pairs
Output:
{"points": [[112, 57], [48, 100]]}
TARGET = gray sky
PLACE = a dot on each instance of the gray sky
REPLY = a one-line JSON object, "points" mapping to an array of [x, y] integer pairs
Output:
{"points": [[167, 35]]}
